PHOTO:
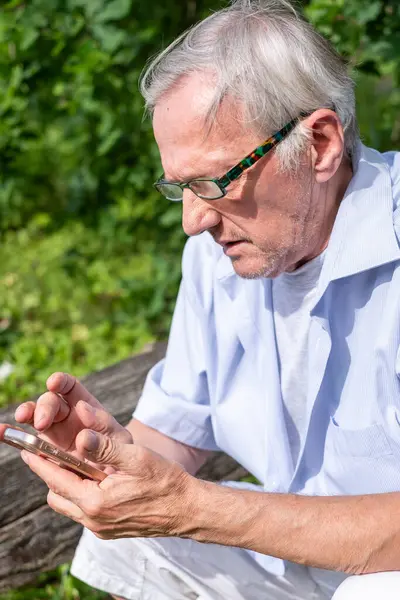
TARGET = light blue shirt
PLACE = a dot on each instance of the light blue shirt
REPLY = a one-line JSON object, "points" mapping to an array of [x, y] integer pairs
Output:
{"points": [[219, 385]]}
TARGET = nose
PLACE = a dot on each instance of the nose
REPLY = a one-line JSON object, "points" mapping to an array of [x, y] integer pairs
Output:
{"points": [[198, 215]]}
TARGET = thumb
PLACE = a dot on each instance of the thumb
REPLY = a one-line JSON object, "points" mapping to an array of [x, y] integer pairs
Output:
{"points": [[102, 421], [105, 450]]}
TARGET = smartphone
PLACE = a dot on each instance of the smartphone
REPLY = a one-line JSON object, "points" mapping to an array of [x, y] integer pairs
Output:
{"points": [[14, 436]]}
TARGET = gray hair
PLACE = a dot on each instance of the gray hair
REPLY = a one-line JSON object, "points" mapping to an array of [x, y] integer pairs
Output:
{"points": [[264, 55]]}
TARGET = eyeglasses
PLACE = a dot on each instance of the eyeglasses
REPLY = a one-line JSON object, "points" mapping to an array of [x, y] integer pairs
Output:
{"points": [[214, 188]]}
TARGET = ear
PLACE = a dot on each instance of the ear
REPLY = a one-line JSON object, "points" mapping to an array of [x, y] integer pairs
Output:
{"points": [[327, 143]]}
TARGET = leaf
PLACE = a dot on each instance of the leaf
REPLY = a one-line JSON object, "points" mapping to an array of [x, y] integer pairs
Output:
{"points": [[114, 10], [29, 37], [368, 11], [109, 36], [108, 142]]}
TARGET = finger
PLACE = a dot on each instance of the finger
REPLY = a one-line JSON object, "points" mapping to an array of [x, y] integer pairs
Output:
{"points": [[105, 450], [101, 421], [61, 481], [65, 507], [71, 389], [109, 470], [3, 427], [50, 408], [25, 412]]}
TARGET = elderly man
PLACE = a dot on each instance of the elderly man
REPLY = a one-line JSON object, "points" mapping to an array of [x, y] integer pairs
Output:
{"points": [[284, 347]]}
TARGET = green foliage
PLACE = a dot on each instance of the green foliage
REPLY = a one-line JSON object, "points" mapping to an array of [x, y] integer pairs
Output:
{"points": [[89, 253], [368, 35], [56, 585], [80, 298], [72, 140]]}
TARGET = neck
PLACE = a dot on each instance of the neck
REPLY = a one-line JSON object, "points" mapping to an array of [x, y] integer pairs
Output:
{"points": [[326, 201]]}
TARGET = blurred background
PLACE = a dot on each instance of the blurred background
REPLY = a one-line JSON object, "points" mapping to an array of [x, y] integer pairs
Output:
{"points": [[90, 253]]}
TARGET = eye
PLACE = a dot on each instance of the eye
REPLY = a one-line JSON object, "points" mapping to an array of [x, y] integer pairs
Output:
{"points": [[205, 188], [171, 191]]}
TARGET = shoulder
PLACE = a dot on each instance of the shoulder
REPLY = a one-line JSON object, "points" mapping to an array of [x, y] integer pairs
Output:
{"points": [[392, 160], [382, 172]]}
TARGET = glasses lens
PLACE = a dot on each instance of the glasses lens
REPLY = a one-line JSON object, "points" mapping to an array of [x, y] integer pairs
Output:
{"points": [[172, 191], [206, 188]]}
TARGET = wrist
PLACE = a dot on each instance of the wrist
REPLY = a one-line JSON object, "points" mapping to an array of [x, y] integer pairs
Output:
{"points": [[186, 491], [218, 514]]}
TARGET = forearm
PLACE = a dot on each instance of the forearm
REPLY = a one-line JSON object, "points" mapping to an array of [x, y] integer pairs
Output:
{"points": [[190, 458], [354, 534]]}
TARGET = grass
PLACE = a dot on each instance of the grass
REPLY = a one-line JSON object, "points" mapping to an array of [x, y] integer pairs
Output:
{"points": [[55, 585]]}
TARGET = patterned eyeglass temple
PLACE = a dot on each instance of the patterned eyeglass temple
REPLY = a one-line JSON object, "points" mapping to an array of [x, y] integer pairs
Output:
{"points": [[235, 172], [259, 152]]}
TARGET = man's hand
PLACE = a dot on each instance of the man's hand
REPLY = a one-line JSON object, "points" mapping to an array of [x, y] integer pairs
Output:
{"points": [[67, 408], [148, 496]]}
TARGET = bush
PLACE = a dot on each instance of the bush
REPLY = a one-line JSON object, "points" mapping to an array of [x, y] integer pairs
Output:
{"points": [[90, 254], [368, 35]]}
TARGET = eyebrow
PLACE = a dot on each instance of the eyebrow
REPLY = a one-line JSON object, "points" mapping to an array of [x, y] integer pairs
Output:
{"points": [[183, 179], [202, 175]]}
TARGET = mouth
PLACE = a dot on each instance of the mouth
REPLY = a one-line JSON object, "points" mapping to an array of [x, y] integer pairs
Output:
{"points": [[230, 248]]}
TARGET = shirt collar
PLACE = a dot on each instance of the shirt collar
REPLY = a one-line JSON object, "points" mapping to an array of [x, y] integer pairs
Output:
{"points": [[224, 268], [363, 235]]}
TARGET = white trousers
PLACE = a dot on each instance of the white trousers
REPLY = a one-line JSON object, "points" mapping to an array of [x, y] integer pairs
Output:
{"points": [[177, 569], [180, 569]]}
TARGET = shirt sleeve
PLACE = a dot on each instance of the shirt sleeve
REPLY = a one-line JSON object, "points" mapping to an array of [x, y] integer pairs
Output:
{"points": [[175, 398]]}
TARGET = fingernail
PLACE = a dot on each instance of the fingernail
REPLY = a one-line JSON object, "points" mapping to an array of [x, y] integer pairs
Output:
{"points": [[91, 442], [17, 411], [88, 408]]}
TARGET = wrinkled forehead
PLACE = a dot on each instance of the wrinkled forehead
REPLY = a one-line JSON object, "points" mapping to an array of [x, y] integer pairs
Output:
{"points": [[188, 145]]}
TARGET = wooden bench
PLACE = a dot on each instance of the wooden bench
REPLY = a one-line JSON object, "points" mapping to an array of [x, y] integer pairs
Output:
{"points": [[33, 538]]}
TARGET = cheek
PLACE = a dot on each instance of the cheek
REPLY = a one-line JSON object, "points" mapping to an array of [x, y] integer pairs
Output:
{"points": [[274, 228], [269, 210], [257, 198]]}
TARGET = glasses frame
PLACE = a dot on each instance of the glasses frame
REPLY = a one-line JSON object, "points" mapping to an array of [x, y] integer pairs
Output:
{"points": [[236, 171]]}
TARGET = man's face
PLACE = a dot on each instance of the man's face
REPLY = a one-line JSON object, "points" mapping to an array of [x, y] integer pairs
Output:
{"points": [[264, 222]]}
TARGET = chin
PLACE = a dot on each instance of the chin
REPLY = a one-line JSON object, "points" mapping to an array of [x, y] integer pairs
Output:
{"points": [[255, 268]]}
